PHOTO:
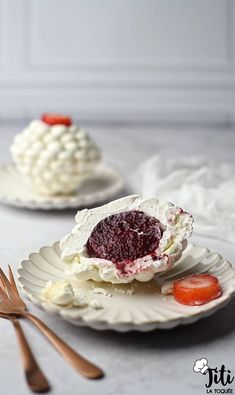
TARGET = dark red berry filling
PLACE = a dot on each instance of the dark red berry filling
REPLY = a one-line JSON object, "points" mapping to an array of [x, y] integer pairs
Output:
{"points": [[125, 237]]}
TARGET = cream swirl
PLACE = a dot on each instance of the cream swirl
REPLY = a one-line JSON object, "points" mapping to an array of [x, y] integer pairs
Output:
{"points": [[54, 159]]}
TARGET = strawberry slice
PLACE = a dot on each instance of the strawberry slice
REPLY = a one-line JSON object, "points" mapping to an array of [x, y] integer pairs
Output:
{"points": [[56, 119], [196, 289]]}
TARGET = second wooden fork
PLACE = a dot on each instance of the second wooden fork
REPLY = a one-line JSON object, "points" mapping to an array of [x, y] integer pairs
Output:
{"points": [[35, 378]]}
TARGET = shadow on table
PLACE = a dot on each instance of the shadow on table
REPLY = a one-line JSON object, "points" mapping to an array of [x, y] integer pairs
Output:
{"points": [[206, 330]]}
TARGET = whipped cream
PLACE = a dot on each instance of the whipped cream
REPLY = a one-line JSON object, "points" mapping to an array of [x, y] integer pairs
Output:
{"points": [[167, 288], [177, 226], [62, 293], [54, 159]]}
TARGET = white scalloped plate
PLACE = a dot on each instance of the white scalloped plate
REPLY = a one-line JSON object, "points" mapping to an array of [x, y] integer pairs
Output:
{"points": [[106, 183], [144, 310]]}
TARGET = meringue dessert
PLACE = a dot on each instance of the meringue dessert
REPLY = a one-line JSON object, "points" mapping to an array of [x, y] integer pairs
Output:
{"points": [[131, 238], [54, 156]]}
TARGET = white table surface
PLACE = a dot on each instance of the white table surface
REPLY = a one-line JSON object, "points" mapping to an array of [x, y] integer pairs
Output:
{"points": [[135, 363]]}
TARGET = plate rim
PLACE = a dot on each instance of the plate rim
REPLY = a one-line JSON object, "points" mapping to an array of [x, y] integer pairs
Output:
{"points": [[71, 201], [120, 326]]}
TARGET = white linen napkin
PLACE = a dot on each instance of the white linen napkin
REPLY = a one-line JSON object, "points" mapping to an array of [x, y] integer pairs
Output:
{"points": [[204, 188]]}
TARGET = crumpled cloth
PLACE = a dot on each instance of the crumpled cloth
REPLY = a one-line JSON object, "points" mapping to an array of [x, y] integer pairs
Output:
{"points": [[205, 188]]}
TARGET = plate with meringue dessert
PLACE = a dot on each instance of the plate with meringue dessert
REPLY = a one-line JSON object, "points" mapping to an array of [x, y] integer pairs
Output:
{"points": [[128, 265], [56, 165]]}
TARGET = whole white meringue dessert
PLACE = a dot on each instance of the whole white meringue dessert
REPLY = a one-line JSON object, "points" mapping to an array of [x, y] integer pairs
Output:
{"points": [[53, 155], [131, 238]]}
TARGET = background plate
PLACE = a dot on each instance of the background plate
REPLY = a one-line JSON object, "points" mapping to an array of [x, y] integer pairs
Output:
{"points": [[102, 186], [144, 310]]}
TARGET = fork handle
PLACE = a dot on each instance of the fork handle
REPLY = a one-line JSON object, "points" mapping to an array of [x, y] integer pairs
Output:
{"points": [[81, 364], [34, 376]]}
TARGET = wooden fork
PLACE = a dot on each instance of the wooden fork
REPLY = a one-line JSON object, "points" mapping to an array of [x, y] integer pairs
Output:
{"points": [[12, 304], [35, 378]]}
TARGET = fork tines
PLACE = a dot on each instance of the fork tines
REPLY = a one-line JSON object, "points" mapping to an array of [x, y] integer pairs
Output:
{"points": [[7, 286]]}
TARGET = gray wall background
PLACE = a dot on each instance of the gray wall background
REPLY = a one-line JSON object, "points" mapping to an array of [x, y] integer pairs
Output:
{"points": [[118, 60]]}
